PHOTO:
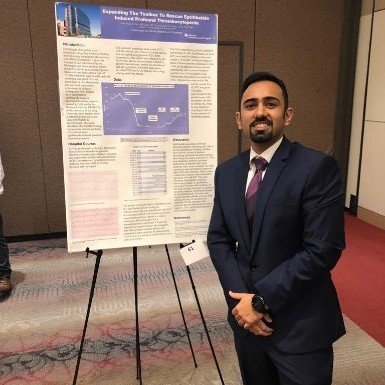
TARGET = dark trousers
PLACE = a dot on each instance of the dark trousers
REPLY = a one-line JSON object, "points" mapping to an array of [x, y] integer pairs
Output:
{"points": [[262, 363], [5, 267]]}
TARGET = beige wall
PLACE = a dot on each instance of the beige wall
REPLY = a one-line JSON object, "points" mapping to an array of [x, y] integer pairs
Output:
{"points": [[299, 42], [370, 166], [23, 204]]}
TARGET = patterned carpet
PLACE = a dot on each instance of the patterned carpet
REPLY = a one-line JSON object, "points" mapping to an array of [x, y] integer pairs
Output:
{"points": [[41, 323]]}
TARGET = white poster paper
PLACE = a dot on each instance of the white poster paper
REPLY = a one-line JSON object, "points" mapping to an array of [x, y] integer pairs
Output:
{"points": [[138, 97]]}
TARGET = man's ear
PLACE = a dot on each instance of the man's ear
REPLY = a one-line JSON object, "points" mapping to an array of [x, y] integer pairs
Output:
{"points": [[238, 120], [288, 116]]}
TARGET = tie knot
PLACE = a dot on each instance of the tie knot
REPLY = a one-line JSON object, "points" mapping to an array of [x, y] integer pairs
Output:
{"points": [[260, 163]]}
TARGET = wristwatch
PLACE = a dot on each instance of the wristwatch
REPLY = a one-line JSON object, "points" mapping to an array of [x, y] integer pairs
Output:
{"points": [[258, 304]]}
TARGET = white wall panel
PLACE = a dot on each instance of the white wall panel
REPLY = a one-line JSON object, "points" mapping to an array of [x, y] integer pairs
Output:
{"points": [[375, 110], [372, 183], [358, 106]]}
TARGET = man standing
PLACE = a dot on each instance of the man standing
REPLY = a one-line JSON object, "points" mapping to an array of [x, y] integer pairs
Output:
{"points": [[276, 231], [5, 267]]}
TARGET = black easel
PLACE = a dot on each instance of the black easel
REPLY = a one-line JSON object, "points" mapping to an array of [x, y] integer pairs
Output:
{"points": [[204, 322], [98, 254], [138, 358], [137, 331], [180, 307]]}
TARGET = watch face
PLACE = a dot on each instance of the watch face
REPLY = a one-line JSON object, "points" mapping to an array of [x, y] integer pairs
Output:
{"points": [[258, 304]]}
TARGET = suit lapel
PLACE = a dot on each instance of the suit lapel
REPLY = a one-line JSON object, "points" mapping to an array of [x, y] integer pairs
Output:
{"points": [[273, 171], [240, 185]]}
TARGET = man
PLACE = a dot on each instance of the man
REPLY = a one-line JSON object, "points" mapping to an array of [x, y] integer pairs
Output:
{"points": [[276, 231], [5, 267]]}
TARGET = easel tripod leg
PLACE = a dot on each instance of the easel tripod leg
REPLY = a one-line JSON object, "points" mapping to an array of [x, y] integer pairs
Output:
{"points": [[138, 360], [205, 326], [180, 307], [98, 254]]}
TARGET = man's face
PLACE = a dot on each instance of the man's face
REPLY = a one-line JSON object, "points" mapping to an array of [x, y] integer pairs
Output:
{"points": [[262, 117]]}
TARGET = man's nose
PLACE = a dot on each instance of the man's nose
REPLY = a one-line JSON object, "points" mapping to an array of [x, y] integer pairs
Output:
{"points": [[259, 111]]}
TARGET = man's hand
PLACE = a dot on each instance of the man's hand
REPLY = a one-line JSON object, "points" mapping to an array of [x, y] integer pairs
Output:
{"points": [[247, 317]]}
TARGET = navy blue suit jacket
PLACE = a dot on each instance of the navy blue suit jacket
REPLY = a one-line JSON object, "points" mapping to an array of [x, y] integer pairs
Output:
{"points": [[297, 238]]}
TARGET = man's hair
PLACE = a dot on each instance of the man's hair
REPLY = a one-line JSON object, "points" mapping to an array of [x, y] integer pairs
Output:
{"points": [[261, 76]]}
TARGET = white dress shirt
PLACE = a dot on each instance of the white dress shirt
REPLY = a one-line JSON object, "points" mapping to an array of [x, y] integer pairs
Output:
{"points": [[267, 155]]}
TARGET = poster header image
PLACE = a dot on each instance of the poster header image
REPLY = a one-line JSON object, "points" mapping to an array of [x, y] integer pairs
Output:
{"points": [[92, 21]]}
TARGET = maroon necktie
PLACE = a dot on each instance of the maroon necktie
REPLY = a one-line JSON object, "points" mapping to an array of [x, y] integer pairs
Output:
{"points": [[252, 189]]}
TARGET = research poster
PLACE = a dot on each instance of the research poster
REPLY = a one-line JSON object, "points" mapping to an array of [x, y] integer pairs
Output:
{"points": [[138, 100]]}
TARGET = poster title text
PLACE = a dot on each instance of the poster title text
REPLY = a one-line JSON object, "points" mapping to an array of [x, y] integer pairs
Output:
{"points": [[152, 17]]}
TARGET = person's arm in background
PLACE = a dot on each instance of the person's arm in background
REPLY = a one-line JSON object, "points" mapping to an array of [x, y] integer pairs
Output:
{"points": [[1, 177]]}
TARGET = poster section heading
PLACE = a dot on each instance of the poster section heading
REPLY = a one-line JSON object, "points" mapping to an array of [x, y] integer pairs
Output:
{"points": [[147, 25]]}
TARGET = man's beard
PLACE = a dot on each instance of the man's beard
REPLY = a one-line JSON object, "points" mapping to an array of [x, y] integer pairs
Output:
{"points": [[263, 136]]}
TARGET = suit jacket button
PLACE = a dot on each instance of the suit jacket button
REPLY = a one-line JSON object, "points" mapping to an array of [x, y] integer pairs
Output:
{"points": [[253, 267]]}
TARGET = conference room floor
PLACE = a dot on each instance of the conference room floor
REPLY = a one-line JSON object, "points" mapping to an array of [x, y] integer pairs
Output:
{"points": [[42, 322]]}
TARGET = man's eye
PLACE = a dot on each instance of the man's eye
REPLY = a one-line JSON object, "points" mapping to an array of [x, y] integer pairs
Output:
{"points": [[249, 106], [271, 104]]}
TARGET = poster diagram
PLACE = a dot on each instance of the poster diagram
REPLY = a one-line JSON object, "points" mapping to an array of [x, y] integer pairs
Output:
{"points": [[145, 109]]}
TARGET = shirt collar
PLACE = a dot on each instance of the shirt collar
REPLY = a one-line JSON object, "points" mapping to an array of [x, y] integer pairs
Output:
{"points": [[267, 154]]}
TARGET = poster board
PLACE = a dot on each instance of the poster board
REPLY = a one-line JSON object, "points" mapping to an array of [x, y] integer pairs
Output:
{"points": [[138, 99]]}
